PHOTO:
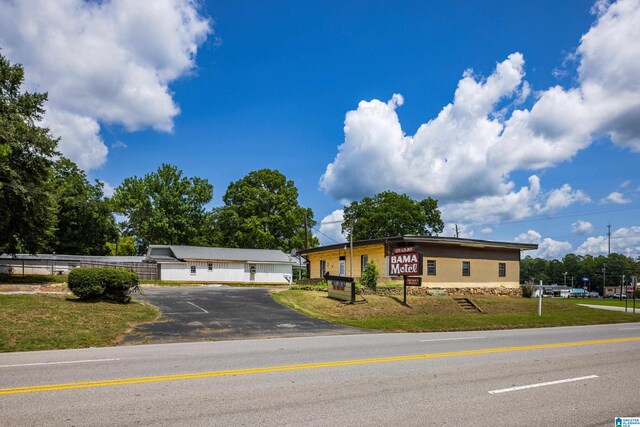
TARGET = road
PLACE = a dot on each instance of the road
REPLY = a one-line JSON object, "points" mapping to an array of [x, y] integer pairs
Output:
{"points": [[206, 313], [554, 376]]}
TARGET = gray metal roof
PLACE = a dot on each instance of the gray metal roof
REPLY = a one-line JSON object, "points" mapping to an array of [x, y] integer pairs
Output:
{"points": [[72, 258], [220, 254]]}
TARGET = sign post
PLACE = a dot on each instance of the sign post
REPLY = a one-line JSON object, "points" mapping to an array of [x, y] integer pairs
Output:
{"points": [[406, 262], [341, 288]]}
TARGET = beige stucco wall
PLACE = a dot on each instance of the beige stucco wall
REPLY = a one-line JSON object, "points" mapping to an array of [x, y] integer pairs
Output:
{"points": [[484, 264]]}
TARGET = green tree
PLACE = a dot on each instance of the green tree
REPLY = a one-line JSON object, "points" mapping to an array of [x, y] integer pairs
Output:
{"points": [[392, 214], [262, 211], [370, 275], [164, 207], [125, 246], [84, 220], [27, 206]]}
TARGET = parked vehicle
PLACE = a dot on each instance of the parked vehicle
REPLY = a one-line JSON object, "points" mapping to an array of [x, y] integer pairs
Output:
{"points": [[618, 296], [593, 295]]}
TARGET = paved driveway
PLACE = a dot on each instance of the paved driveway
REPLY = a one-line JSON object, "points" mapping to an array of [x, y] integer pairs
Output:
{"points": [[203, 313]]}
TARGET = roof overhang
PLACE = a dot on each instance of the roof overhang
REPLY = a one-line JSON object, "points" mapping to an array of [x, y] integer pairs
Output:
{"points": [[451, 241]]}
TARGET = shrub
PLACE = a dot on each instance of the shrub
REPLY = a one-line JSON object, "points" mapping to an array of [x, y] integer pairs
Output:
{"points": [[111, 284], [370, 275], [527, 290]]}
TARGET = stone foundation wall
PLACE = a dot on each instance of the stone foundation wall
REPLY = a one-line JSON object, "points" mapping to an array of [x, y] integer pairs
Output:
{"points": [[508, 292]]}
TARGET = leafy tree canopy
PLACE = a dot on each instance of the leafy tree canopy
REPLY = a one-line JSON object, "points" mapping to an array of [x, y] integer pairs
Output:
{"points": [[165, 207], [85, 223], [26, 202], [391, 214], [261, 210], [124, 246]]}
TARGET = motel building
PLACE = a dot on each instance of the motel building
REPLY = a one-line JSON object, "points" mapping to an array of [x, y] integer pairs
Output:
{"points": [[449, 263]]}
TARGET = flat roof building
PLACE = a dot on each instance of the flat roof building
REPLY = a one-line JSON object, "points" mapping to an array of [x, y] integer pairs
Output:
{"points": [[447, 262]]}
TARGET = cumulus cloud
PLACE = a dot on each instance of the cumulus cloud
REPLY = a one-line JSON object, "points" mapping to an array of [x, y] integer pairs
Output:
{"points": [[563, 197], [581, 227], [616, 198], [331, 228], [465, 155], [103, 62], [547, 248], [625, 240]]}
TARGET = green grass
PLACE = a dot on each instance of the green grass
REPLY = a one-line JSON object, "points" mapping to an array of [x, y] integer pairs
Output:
{"points": [[31, 279], [46, 322], [424, 313]]}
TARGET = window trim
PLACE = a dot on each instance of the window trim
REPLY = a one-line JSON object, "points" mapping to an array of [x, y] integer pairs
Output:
{"points": [[502, 269], [468, 265], [364, 260], [323, 268], [192, 269], [435, 268], [210, 266]]}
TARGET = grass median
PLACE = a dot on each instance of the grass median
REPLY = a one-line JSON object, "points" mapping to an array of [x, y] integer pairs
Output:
{"points": [[428, 314], [48, 322]]}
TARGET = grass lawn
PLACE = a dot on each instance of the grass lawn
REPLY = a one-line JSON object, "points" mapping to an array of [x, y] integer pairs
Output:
{"points": [[424, 314], [47, 322]]}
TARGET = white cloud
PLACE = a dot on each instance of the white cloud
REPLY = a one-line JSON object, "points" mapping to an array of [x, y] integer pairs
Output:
{"points": [[581, 227], [625, 240], [563, 197], [118, 144], [331, 228], [625, 184], [616, 198], [486, 230], [102, 62], [107, 189], [464, 156], [547, 248]]}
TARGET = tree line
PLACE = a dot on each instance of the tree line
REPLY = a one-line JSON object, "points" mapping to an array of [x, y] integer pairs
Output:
{"points": [[572, 269]]}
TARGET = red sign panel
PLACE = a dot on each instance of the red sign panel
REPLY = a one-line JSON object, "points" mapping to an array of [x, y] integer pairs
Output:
{"points": [[405, 264], [413, 281]]}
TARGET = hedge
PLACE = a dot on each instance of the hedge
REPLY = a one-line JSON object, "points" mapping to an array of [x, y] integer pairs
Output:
{"points": [[111, 284]]}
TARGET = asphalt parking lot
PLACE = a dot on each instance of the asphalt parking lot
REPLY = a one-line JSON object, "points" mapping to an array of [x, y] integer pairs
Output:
{"points": [[205, 313]]}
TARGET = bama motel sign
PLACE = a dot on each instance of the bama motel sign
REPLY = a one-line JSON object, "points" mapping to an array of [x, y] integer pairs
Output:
{"points": [[405, 261]]}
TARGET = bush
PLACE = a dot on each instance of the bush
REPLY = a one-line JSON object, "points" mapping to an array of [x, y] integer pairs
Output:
{"points": [[527, 290], [111, 284], [370, 275]]}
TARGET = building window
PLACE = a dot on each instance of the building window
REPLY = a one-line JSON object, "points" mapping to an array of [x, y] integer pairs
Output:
{"points": [[466, 268], [193, 269], [323, 267], [502, 269], [364, 260], [431, 267], [210, 266]]}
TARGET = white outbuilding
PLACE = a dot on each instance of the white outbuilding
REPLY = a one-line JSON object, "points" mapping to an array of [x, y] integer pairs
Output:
{"points": [[220, 265]]}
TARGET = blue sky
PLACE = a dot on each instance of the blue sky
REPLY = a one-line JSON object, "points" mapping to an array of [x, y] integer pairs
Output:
{"points": [[528, 112]]}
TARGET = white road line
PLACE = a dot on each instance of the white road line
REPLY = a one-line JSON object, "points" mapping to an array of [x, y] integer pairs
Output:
{"points": [[59, 363], [453, 339], [629, 329], [200, 308], [525, 387]]}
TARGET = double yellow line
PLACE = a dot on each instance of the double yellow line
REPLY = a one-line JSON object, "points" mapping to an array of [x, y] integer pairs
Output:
{"points": [[298, 367]]}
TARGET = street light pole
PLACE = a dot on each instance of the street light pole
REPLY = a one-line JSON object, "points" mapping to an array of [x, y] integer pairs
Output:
{"points": [[565, 278]]}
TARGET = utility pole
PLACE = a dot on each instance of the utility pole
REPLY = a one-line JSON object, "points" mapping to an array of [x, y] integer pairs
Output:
{"points": [[609, 236], [457, 231], [306, 231], [604, 275], [565, 278], [351, 252]]}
